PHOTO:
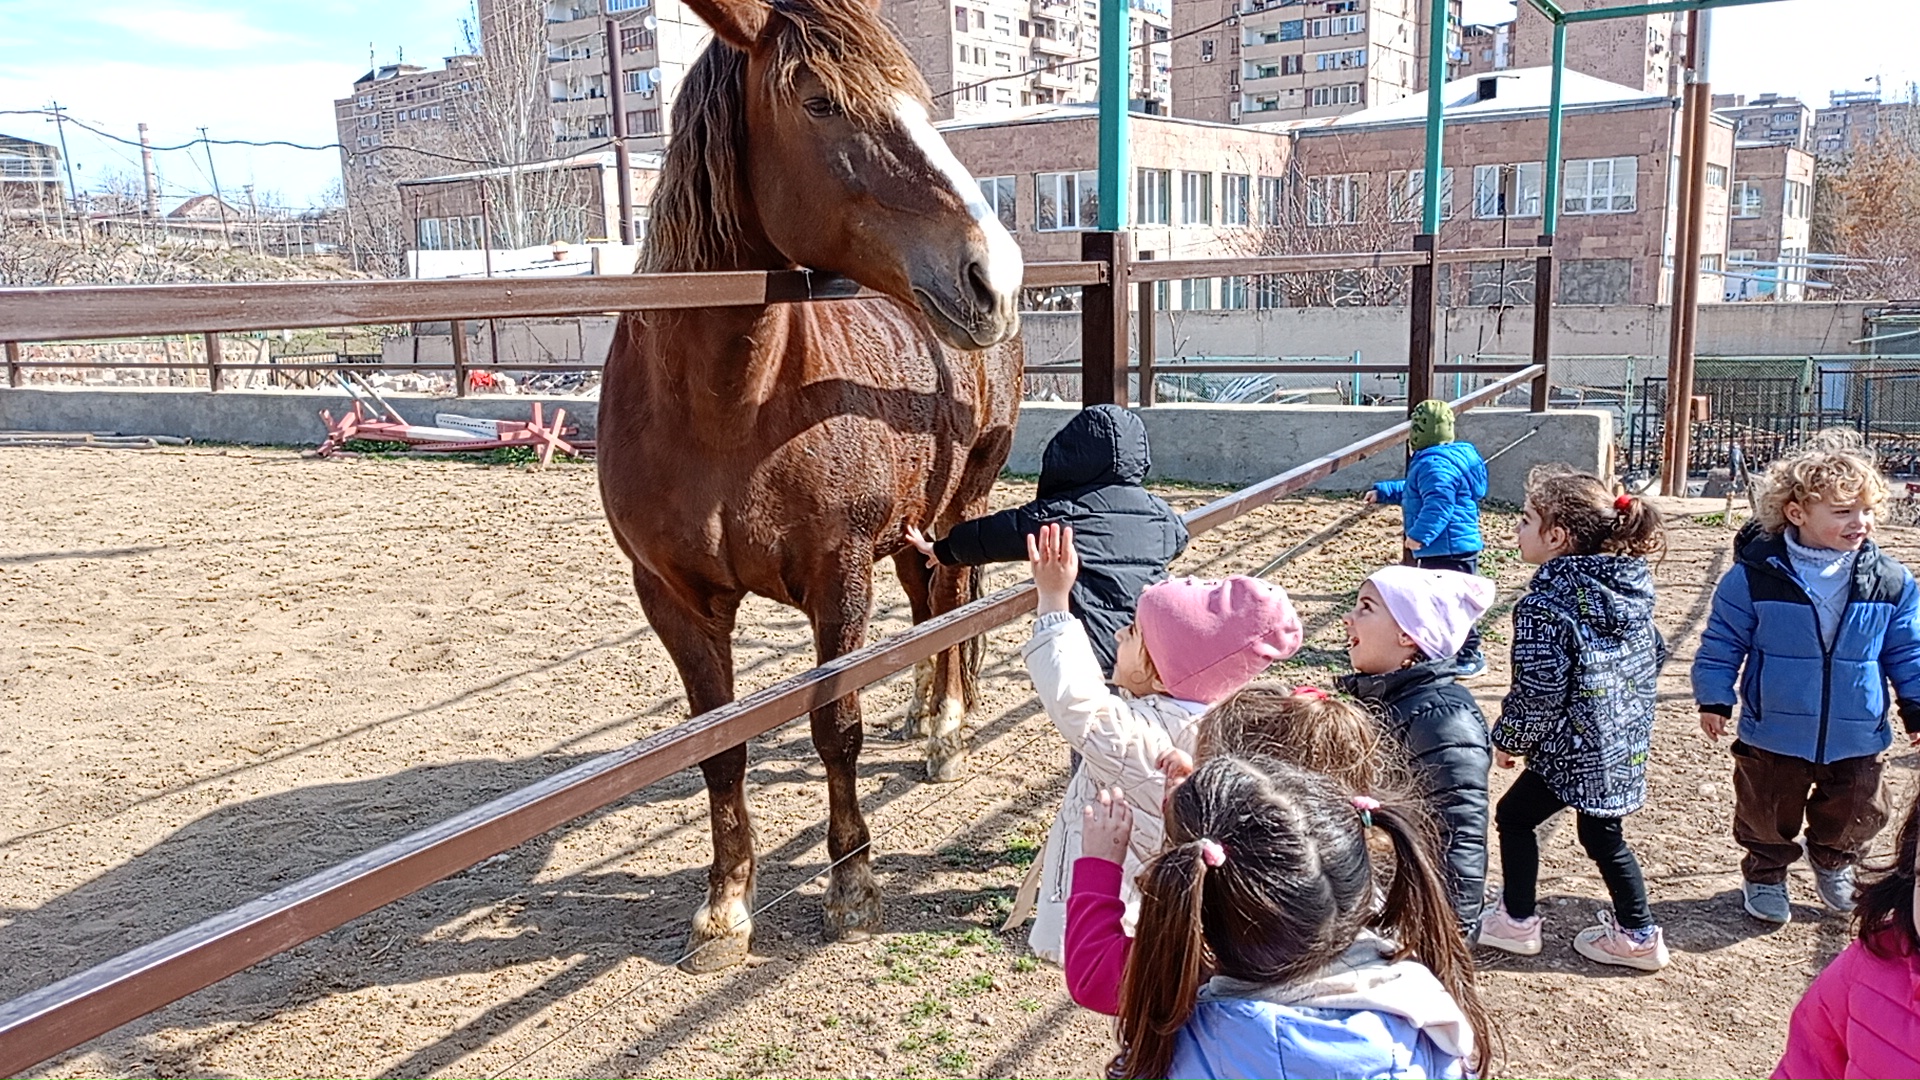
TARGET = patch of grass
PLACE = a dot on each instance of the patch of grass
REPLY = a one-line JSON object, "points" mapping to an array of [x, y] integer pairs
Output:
{"points": [[832, 1021], [1022, 850], [927, 1008], [954, 1062], [724, 1046], [772, 1058], [374, 447], [978, 983], [521, 455], [1028, 1004], [1027, 963]]}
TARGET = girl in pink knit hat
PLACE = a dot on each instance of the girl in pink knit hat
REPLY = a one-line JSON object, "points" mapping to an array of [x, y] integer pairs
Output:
{"points": [[1192, 644]]}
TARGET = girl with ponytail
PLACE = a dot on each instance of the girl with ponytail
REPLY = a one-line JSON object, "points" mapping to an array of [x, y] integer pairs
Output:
{"points": [[1264, 947]]}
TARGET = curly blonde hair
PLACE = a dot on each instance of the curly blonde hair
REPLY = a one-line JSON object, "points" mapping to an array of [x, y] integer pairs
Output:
{"points": [[1835, 466]]}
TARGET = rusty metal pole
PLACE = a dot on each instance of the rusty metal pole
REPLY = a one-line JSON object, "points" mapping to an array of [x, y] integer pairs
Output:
{"points": [[1143, 334], [1423, 312], [1677, 444], [1543, 325], [15, 377], [459, 329], [214, 358], [622, 158], [1103, 322]]}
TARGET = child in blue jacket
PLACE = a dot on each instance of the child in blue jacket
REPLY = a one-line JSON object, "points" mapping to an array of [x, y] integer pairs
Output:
{"points": [[1807, 630], [1440, 506]]}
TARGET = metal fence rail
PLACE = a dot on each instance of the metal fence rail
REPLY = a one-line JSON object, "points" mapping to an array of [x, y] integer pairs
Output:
{"points": [[59, 1017]]}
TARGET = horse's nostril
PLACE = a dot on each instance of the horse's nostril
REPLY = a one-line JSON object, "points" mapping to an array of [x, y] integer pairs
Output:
{"points": [[978, 288]]}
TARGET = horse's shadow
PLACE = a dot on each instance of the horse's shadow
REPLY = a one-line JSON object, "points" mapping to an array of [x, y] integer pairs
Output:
{"points": [[509, 912]]}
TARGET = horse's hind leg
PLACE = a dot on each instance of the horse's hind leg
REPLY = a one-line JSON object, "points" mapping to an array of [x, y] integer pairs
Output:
{"points": [[701, 644], [853, 908], [916, 580]]}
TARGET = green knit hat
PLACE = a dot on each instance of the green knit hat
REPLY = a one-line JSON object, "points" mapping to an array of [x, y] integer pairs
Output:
{"points": [[1432, 424]]}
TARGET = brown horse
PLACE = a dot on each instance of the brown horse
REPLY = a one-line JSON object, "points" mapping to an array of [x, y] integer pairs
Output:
{"points": [[783, 449]]}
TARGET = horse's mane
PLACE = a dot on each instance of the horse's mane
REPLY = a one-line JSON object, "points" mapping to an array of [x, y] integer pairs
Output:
{"points": [[700, 205]]}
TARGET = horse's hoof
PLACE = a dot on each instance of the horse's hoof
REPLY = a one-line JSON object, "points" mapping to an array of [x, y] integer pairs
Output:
{"points": [[945, 767], [714, 954], [853, 907]]}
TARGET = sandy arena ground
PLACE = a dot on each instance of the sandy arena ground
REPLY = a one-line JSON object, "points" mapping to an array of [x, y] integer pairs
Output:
{"points": [[224, 670]]}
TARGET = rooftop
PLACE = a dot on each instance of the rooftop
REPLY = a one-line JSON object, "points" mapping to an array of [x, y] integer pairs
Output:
{"points": [[1515, 91], [642, 159]]}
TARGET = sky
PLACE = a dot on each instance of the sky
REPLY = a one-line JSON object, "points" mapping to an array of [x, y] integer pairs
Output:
{"points": [[268, 69]]}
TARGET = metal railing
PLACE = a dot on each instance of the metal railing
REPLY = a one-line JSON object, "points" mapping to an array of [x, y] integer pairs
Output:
{"points": [[56, 1018]]}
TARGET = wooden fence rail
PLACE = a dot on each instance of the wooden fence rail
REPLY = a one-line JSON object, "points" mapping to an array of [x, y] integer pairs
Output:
{"points": [[61, 1016]]}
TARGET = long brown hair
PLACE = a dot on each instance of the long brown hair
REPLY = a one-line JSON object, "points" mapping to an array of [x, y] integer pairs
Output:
{"points": [[1597, 521], [1884, 913], [1295, 889], [1317, 730]]}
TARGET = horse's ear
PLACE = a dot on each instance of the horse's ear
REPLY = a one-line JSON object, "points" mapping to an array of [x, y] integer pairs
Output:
{"points": [[736, 22]]}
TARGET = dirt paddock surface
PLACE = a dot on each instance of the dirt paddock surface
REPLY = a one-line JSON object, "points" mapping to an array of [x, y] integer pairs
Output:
{"points": [[224, 670]]}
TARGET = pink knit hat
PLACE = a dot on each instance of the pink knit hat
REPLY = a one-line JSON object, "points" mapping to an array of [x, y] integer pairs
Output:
{"points": [[1210, 638], [1436, 608]]}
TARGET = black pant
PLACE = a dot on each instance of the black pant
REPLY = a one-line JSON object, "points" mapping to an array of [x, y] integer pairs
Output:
{"points": [[1466, 564], [1528, 803]]}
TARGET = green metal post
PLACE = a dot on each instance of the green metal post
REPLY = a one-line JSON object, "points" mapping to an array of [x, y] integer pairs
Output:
{"points": [[1436, 81], [1550, 183], [1116, 49]]}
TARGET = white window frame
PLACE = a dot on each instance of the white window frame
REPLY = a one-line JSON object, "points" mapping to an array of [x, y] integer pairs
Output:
{"points": [[1273, 201], [1518, 185], [1153, 197], [1075, 197], [1196, 198], [1236, 199], [1748, 200], [1600, 186], [1002, 193], [1407, 194], [1335, 199]]}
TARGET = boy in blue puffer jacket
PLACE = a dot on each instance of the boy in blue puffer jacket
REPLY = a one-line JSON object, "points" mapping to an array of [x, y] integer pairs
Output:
{"points": [[1440, 504], [1807, 630]]}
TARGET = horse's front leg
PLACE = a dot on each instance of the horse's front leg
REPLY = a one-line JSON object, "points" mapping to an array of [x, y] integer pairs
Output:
{"points": [[956, 674], [853, 908], [916, 580], [701, 645]]}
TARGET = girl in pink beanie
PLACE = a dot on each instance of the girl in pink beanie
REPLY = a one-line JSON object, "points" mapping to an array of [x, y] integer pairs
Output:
{"points": [[1192, 644]]}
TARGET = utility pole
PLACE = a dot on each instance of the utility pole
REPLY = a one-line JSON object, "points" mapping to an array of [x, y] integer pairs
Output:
{"points": [[1683, 335], [226, 231], [146, 168], [622, 160], [253, 220], [66, 159]]}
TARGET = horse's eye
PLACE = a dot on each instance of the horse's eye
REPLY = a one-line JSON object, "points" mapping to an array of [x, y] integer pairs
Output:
{"points": [[821, 107]]}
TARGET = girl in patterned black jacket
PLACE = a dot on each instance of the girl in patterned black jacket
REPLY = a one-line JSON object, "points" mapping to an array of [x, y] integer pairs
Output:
{"points": [[1586, 657]]}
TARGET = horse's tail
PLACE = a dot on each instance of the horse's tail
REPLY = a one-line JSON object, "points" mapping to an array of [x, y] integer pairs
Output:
{"points": [[973, 651]]}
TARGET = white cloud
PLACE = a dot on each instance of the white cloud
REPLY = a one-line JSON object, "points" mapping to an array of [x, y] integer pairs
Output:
{"points": [[189, 28]]}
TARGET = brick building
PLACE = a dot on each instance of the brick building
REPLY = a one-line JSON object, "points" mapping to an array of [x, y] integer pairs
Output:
{"points": [[1854, 119], [396, 108], [575, 200], [1254, 61], [1640, 51], [30, 178], [1770, 226], [658, 41], [1769, 119], [1363, 174], [1484, 47]]}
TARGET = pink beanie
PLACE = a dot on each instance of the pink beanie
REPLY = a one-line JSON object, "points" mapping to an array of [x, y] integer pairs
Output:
{"points": [[1210, 638], [1436, 608]]}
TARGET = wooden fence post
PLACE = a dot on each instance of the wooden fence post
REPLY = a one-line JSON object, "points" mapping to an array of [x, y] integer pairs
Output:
{"points": [[15, 377], [1143, 332], [1423, 304], [459, 329], [1543, 325], [1103, 322], [214, 358]]}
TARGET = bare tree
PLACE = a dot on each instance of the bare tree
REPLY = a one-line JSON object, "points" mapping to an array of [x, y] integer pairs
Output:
{"points": [[1867, 210], [503, 119], [1330, 214]]}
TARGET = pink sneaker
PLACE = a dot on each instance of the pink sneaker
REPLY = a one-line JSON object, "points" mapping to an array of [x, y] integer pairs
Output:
{"points": [[1608, 943], [1500, 930]]}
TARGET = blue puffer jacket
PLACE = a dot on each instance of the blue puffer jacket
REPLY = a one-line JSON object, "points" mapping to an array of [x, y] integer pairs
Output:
{"points": [[1797, 697], [1440, 499]]}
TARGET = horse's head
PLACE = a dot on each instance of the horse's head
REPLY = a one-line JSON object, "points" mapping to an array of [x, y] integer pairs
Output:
{"points": [[845, 171]]}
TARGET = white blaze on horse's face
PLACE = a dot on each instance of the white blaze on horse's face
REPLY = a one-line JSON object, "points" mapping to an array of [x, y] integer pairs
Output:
{"points": [[1001, 263]]}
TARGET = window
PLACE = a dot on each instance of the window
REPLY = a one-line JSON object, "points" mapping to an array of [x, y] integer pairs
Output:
{"points": [[1292, 64], [1066, 201], [1493, 284], [1596, 281], [1206, 51], [1344, 94], [1407, 194], [1336, 61], [1335, 200], [1152, 187], [427, 234], [1796, 201], [1196, 294], [1599, 186], [1339, 24], [1507, 190], [1717, 176], [960, 19], [999, 193], [636, 39], [626, 5], [1748, 199], [1233, 293], [1235, 195], [648, 122], [1196, 198], [1260, 69], [1273, 201]]}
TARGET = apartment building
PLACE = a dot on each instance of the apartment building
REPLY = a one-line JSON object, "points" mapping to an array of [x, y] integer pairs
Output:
{"points": [[1770, 223], [1364, 175], [987, 57], [658, 40], [1769, 120], [578, 202], [1261, 61], [396, 109], [29, 178], [1484, 47], [1640, 51], [1853, 119]]}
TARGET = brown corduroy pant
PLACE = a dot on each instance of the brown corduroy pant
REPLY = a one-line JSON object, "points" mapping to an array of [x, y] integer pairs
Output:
{"points": [[1843, 805]]}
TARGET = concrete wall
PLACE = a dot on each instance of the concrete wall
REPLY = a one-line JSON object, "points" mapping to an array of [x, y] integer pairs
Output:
{"points": [[1241, 444], [257, 417]]}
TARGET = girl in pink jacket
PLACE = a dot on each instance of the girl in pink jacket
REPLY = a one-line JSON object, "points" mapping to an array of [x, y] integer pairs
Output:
{"points": [[1861, 1016]]}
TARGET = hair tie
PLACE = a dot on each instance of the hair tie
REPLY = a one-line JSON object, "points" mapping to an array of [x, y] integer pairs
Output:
{"points": [[1313, 692], [1623, 504], [1366, 804], [1212, 853]]}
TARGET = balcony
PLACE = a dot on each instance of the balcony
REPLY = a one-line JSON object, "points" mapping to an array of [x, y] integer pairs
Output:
{"points": [[1054, 47], [1056, 79]]}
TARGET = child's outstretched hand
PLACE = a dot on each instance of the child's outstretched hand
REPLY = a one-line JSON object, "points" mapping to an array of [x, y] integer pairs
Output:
{"points": [[923, 545], [1712, 725], [1178, 765], [1107, 826], [1055, 565]]}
